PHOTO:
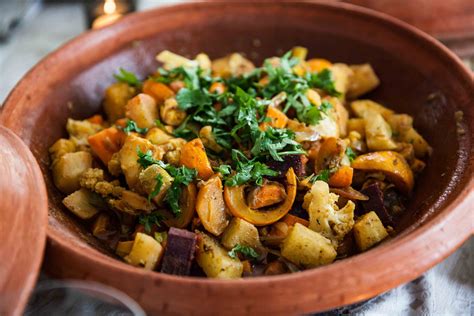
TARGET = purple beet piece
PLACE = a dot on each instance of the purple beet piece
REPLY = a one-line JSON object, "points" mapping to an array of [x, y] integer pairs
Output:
{"points": [[294, 161], [179, 252], [376, 203]]}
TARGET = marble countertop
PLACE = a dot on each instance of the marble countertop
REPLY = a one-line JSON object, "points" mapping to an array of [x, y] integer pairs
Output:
{"points": [[446, 289]]}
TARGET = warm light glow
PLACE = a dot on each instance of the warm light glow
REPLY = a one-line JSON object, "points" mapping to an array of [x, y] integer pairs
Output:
{"points": [[110, 6]]}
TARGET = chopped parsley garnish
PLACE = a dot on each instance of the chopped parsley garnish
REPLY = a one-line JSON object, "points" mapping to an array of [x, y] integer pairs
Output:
{"points": [[148, 220], [146, 159], [182, 176], [133, 127], [128, 77], [323, 80], [323, 175], [248, 170], [350, 154], [158, 185], [246, 251], [223, 170]]}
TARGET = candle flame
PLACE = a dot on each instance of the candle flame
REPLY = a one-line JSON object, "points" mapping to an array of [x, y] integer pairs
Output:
{"points": [[110, 6]]}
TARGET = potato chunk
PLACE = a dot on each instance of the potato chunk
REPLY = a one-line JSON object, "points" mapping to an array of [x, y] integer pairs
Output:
{"points": [[68, 168], [158, 136], [307, 248], [83, 203], [146, 252], [61, 147], [363, 108], [171, 114], [342, 74], [215, 261], [368, 231], [362, 81], [143, 110], [232, 65], [378, 133], [241, 232], [210, 206], [128, 158], [148, 180], [116, 98]]}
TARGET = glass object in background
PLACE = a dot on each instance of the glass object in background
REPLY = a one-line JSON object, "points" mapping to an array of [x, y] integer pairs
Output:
{"points": [[71, 297], [100, 13]]}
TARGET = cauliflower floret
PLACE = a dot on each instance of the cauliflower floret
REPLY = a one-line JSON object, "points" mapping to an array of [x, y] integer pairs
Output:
{"points": [[114, 165], [324, 215], [81, 130], [172, 150], [93, 179], [171, 114]]}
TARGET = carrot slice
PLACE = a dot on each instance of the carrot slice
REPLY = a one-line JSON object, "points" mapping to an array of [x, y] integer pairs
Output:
{"points": [[342, 177], [106, 142], [159, 91], [193, 155]]}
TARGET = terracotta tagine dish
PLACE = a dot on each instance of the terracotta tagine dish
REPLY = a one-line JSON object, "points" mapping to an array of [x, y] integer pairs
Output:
{"points": [[419, 77]]}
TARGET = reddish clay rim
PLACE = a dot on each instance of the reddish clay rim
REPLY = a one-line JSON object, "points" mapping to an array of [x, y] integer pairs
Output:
{"points": [[419, 249]]}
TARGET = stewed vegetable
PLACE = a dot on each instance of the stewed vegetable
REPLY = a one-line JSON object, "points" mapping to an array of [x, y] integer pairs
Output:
{"points": [[227, 170]]}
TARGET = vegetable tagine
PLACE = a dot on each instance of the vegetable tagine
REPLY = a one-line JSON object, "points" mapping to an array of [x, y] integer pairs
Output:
{"points": [[225, 170]]}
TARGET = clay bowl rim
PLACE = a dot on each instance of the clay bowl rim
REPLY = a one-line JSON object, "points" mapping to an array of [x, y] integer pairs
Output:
{"points": [[434, 231]]}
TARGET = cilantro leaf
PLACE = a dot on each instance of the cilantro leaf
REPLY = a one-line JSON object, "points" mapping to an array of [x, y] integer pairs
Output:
{"points": [[323, 175], [323, 80], [246, 251], [188, 99], [313, 115], [148, 220], [182, 176], [350, 154], [223, 170], [146, 159], [275, 142], [133, 127], [127, 77], [158, 185], [248, 170]]}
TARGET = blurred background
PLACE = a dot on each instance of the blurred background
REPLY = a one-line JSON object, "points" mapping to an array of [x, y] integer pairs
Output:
{"points": [[30, 29]]}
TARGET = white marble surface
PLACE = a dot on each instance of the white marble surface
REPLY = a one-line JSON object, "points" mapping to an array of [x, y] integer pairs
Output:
{"points": [[447, 289]]}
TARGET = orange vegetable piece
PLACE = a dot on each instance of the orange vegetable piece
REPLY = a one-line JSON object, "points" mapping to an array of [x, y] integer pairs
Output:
{"points": [[159, 91], [235, 200], [278, 118], [193, 155], [318, 64], [210, 206], [121, 122], [392, 164], [96, 119], [342, 177], [291, 220], [106, 142], [217, 87], [265, 195]]}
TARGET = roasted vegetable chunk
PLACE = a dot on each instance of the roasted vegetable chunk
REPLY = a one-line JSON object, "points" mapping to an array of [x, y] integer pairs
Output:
{"points": [[240, 232], [116, 98], [307, 248], [215, 260], [269, 193], [376, 203], [143, 110], [68, 169], [210, 206], [363, 80], [146, 252], [179, 252], [84, 203], [368, 231]]}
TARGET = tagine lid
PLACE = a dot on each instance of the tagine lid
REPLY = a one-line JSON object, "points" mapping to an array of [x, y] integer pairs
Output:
{"points": [[23, 222]]}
